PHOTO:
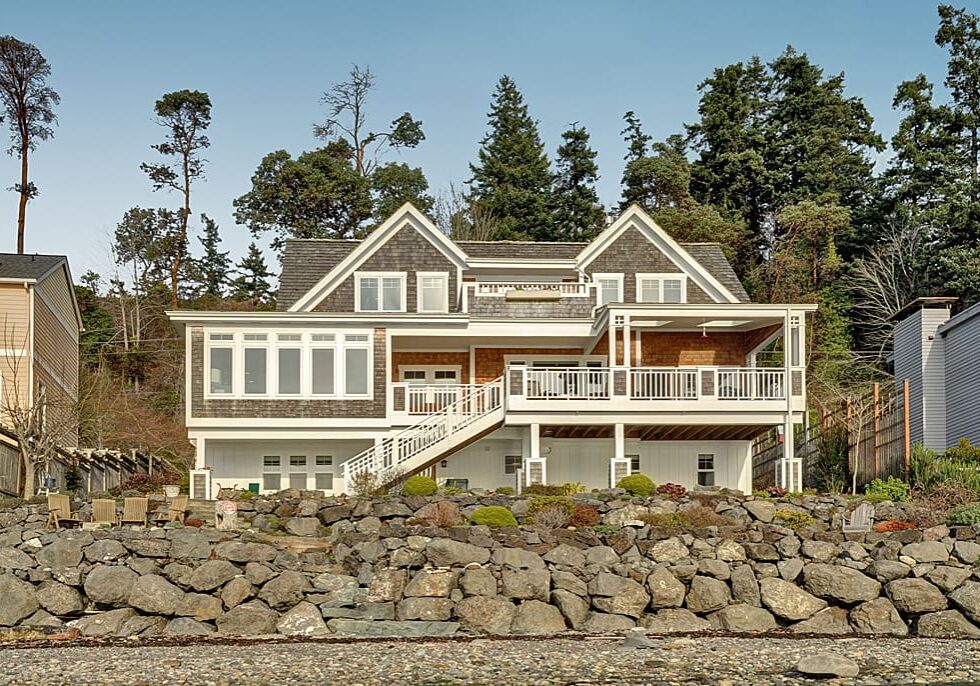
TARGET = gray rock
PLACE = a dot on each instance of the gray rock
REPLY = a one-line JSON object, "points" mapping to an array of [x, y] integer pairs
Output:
{"points": [[536, 617], [62, 553], [104, 623], [926, 551], [212, 574], [109, 585], [387, 585], [59, 599], [148, 547], [105, 550], [188, 544], [967, 598], [789, 601], [715, 568], [303, 526], [948, 578], [946, 624], [526, 584], [11, 558], [665, 589], [968, 552], [431, 583], [741, 618], [445, 552], [486, 615], [790, 569], [763, 510], [303, 620], [828, 665], [185, 626], [639, 640], [745, 587], [143, 626], [829, 621], [236, 592], [569, 582], [565, 555], [478, 582], [668, 550], [601, 555], [258, 573], [573, 607], [602, 623], [42, 618], [915, 596], [618, 595], [730, 551], [889, 570], [199, 606], [155, 595], [359, 627], [821, 551], [846, 585], [236, 551], [878, 616], [517, 558], [761, 552], [707, 595], [427, 609], [628, 515], [253, 618], [284, 591], [19, 600]]}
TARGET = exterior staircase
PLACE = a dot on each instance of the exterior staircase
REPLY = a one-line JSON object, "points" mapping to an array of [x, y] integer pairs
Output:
{"points": [[469, 418]]}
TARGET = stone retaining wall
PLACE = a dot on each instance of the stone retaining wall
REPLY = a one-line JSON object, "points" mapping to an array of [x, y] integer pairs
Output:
{"points": [[378, 567]]}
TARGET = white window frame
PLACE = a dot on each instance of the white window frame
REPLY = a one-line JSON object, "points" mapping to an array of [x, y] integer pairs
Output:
{"points": [[257, 344], [430, 372], [419, 276], [323, 469], [280, 344], [229, 344], [271, 469], [380, 276], [517, 462], [713, 471], [660, 278], [603, 276]]}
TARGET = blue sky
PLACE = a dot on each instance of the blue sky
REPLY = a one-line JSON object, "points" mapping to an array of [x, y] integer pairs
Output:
{"points": [[265, 65]]}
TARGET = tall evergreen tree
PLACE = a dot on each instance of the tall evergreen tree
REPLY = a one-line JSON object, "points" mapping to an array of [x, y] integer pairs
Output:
{"points": [[579, 215], [636, 140], [658, 180], [513, 177], [211, 270], [252, 281]]}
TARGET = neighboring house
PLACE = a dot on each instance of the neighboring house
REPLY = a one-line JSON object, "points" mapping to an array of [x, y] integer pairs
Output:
{"points": [[939, 355], [485, 361]]}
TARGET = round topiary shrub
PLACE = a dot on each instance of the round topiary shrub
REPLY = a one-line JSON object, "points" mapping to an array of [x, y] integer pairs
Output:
{"points": [[636, 484], [420, 485], [493, 515]]}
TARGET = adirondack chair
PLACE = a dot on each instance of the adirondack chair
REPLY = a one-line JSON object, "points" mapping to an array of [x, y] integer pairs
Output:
{"points": [[59, 511], [134, 511], [861, 519], [175, 513], [104, 512]]}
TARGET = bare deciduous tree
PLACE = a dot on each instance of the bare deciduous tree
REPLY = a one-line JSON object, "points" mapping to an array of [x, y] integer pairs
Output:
{"points": [[462, 218]]}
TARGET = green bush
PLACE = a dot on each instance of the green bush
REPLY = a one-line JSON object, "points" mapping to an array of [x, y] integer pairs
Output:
{"points": [[553, 512], [963, 451], [964, 514], [420, 485], [504, 490], [923, 466], [792, 519], [894, 489], [571, 488], [542, 489], [831, 459], [637, 484], [493, 516]]}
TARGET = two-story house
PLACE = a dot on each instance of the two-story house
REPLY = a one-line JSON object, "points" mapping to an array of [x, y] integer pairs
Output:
{"points": [[492, 362]]}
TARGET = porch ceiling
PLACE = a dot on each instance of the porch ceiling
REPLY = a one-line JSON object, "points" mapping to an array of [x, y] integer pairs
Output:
{"points": [[706, 432]]}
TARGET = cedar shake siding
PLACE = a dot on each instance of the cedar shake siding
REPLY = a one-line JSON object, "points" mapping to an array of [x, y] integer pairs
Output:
{"points": [[489, 362], [406, 251], [260, 408], [633, 254], [687, 349]]}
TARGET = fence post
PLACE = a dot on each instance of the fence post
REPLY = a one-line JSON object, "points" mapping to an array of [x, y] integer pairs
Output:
{"points": [[876, 429], [906, 428]]}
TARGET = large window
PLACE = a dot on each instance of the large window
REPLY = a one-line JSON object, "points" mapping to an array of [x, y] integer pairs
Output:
{"points": [[356, 369], [221, 356], [609, 288], [297, 472], [256, 363], [380, 292], [433, 291], [661, 288]]}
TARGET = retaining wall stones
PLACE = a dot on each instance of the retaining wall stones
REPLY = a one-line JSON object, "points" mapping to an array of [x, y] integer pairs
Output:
{"points": [[318, 566]]}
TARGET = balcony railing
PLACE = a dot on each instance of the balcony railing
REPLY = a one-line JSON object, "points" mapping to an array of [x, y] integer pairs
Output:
{"points": [[756, 383], [563, 289], [425, 399], [571, 383], [664, 384]]}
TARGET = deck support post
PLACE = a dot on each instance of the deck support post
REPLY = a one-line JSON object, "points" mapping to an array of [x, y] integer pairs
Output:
{"points": [[619, 465], [789, 469], [535, 466]]}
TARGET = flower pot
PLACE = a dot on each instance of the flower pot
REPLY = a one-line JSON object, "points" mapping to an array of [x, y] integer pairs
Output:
{"points": [[171, 491]]}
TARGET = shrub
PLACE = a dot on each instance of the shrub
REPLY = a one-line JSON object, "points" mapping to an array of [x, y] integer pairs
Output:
{"points": [[550, 512], [571, 488], [493, 515], [583, 516], [672, 491], [893, 525], [831, 459], [366, 483], [451, 490], [894, 489], [694, 518], [542, 489], [197, 523], [928, 506], [923, 466], [964, 514], [792, 519], [504, 490], [420, 485], [776, 492], [636, 484], [141, 484], [963, 451]]}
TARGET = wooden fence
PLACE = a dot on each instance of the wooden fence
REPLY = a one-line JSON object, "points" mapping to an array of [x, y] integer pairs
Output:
{"points": [[879, 444]]}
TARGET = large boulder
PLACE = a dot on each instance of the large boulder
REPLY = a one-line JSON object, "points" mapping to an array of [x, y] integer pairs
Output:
{"points": [[949, 578], [105, 550], [387, 585], [967, 598], [188, 544], [665, 589], [915, 596], [478, 581], [236, 592], [843, 584], [668, 550], [425, 609], [18, 600], [573, 607], [445, 552], [674, 620], [526, 584], [253, 618], [742, 617], [199, 606], [745, 587], [536, 617], [602, 623], [829, 621], [185, 626], [789, 601], [926, 551], [707, 595], [828, 665], [236, 551], [155, 595], [284, 591], [212, 574], [303, 526], [431, 583], [104, 623], [59, 599], [878, 616], [486, 615], [618, 595], [110, 585], [11, 558], [517, 558], [763, 510], [63, 553], [303, 620], [565, 555], [946, 624]]}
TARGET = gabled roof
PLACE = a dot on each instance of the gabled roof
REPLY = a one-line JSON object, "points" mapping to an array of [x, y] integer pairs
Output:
{"points": [[406, 216], [33, 267], [634, 216], [712, 258], [305, 261], [521, 250]]}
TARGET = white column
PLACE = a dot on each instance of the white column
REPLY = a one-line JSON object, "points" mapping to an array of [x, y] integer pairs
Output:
{"points": [[200, 454], [619, 466], [619, 441], [612, 343], [535, 466], [789, 470], [534, 432], [627, 343]]}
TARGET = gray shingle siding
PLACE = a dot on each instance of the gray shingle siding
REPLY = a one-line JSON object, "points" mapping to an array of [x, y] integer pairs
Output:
{"points": [[304, 263]]}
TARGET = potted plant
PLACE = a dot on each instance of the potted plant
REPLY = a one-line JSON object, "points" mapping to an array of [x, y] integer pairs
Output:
{"points": [[171, 490]]}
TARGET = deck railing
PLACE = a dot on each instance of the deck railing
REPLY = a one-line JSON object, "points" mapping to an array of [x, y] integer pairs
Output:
{"points": [[751, 383], [428, 398], [564, 289], [664, 384]]}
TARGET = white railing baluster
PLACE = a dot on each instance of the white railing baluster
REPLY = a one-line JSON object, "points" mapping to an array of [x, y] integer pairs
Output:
{"points": [[751, 383]]}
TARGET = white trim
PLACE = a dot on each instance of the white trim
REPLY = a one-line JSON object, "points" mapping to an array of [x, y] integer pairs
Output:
{"points": [[406, 216], [30, 337], [381, 276], [430, 370], [445, 291], [13, 352], [660, 278], [608, 276]]}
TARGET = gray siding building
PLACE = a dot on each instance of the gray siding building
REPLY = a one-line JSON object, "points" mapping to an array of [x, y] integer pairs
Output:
{"points": [[939, 354]]}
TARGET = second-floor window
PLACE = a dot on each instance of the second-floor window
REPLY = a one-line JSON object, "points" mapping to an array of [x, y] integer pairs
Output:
{"points": [[380, 292], [609, 288], [433, 291], [661, 288]]}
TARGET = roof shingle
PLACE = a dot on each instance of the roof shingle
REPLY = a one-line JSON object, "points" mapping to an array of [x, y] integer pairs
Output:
{"points": [[14, 266]]}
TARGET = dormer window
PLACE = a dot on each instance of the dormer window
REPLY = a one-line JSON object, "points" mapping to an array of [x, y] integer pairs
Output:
{"points": [[433, 291], [609, 288], [661, 288], [380, 292]]}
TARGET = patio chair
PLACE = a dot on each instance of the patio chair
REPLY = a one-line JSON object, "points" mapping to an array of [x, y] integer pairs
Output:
{"points": [[134, 511], [860, 520], [177, 511], [104, 511], [59, 511]]}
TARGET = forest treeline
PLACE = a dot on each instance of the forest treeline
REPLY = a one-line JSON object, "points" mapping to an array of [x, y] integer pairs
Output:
{"points": [[783, 166]]}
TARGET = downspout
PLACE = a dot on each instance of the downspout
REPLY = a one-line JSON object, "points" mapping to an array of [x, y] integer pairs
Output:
{"points": [[30, 346]]}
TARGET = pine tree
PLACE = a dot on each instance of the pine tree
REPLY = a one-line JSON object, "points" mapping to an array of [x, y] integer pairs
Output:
{"points": [[636, 140], [513, 177], [579, 215], [210, 272], [252, 283]]}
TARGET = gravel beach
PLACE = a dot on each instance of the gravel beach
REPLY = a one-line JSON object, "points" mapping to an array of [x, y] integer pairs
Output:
{"points": [[719, 661]]}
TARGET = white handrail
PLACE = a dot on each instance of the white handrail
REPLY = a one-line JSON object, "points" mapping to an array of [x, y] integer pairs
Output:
{"points": [[565, 288], [568, 383], [750, 383], [424, 399], [664, 384]]}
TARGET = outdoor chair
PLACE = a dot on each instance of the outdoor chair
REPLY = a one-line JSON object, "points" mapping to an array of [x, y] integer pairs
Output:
{"points": [[134, 511], [860, 520], [104, 511], [59, 511], [175, 512]]}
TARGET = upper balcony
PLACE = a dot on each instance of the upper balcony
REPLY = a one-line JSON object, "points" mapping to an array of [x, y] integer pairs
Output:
{"points": [[522, 300]]}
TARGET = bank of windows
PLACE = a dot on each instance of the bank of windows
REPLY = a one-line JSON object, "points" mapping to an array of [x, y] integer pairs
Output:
{"points": [[661, 288], [289, 364], [706, 469], [298, 472]]}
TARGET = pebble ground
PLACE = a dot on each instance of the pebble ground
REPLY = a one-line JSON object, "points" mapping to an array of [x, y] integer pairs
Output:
{"points": [[715, 661]]}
